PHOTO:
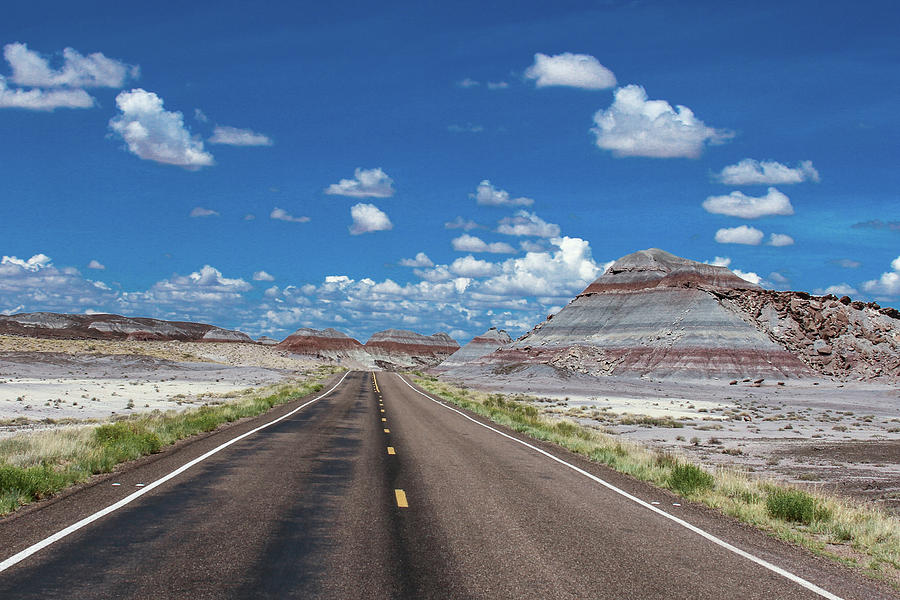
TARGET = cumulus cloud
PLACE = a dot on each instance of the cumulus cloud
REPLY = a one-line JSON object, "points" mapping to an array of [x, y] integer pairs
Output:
{"points": [[767, 172], [468, 82], [421, 260], [532, 246], [262, 276], [497, 85], [841, 289], [467, 128], [724, 261], [43, 99], [366, 183], [37, 284], [77, 71], [153, 133], [206, 287], [233, 136], [846, 263], [780, 239], [469, 266], [486, 194], [438, 273], [368, 218], [470, 243], [199, 211], [461, 223], [279, 214], [888, 284], [526, 223], [96, 264], [636, 126], [738, 204], [572, 70], [750, 236]]}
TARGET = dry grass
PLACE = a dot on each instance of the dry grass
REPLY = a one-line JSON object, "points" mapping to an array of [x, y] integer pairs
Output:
{"points": [[847, 531]]}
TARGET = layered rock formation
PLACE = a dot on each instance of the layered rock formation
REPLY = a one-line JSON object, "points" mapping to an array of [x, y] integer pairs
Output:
{"points": [[113, 327], [655, 314], [482, 345], [392, 349], [398, 348]]}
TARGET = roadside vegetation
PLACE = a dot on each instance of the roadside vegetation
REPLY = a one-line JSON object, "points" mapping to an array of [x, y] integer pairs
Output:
{"points": [[37, 465], [837, 527]]}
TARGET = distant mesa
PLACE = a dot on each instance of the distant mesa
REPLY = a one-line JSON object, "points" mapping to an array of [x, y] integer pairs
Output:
{"points": [[113, 327], [491, 340], [267, 341], [655, 314], [392, 349]]}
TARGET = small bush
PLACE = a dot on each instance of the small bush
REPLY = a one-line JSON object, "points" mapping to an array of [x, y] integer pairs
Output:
{"points": [[688, 479], [794, 505]]}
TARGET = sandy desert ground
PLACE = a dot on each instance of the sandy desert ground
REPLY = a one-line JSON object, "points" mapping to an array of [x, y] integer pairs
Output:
{"points": [[46, 383], [843, 436]]}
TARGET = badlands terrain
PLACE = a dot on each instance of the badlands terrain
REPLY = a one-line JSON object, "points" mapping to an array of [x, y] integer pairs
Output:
{"points": [[669, 352]]}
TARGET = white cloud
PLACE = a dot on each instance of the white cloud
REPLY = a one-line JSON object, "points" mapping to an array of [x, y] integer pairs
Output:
{"points": [[37, 284], [437, 274], [461, 223], [572, 70], [738, 204], [847, 263], [470, 243], [750, 236], [200, 116], [96, 264], [249, 217], [561, 273], [262, 276], [888, 284], [234, 136], [77, 71], [366, 183], [526, 223], [468, 82], [487, 194], [33, 264], [780, 239], [841, 289], [724, 261], [719, 261], [421, 260], [531, 246], [205, 287], [199, 211], [636, 126], [497, 85], [279, 214], [469, 266], [368, 218], [767, 172], [467, 128], [43, 99], [153, 133]]}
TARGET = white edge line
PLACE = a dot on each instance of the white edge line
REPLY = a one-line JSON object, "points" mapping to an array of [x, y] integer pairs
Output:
{"points": [[764, 563], [19, 557]]}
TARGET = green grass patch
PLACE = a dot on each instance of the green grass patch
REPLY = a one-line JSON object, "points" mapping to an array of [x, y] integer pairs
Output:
{"points": [[812, 519], [37, 465]]}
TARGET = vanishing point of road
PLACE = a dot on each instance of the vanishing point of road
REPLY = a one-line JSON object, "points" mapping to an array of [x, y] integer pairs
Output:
{"points": [[374, 489]]}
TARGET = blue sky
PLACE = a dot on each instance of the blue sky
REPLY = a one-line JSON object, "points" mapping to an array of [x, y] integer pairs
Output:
{"points": [[281, 165]]}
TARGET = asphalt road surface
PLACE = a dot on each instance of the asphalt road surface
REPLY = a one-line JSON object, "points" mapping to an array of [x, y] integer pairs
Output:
{"points": [[390, 494]]}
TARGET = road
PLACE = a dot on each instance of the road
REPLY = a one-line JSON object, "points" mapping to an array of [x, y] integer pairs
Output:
{"points": [[390, 494]]}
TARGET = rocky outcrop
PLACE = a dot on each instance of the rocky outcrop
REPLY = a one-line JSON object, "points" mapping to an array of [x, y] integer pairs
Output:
{"points": [[654, 314], [328, 344], [400, 349], [836, 337], [480, 346], [114, 327], [267, 341]]}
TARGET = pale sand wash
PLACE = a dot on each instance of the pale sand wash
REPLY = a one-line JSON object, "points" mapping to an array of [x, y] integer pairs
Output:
{"points": [[843, 436], [44, 383]]}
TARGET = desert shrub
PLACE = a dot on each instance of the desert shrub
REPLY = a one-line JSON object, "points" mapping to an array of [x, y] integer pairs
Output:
{"points": [[794, 505], [687, 479]]}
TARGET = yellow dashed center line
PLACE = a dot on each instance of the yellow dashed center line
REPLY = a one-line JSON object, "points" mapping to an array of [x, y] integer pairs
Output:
{"points": [[391, 450], [383, 420], [382, 410], [387, 430], [401, 499], [375, 381]]}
